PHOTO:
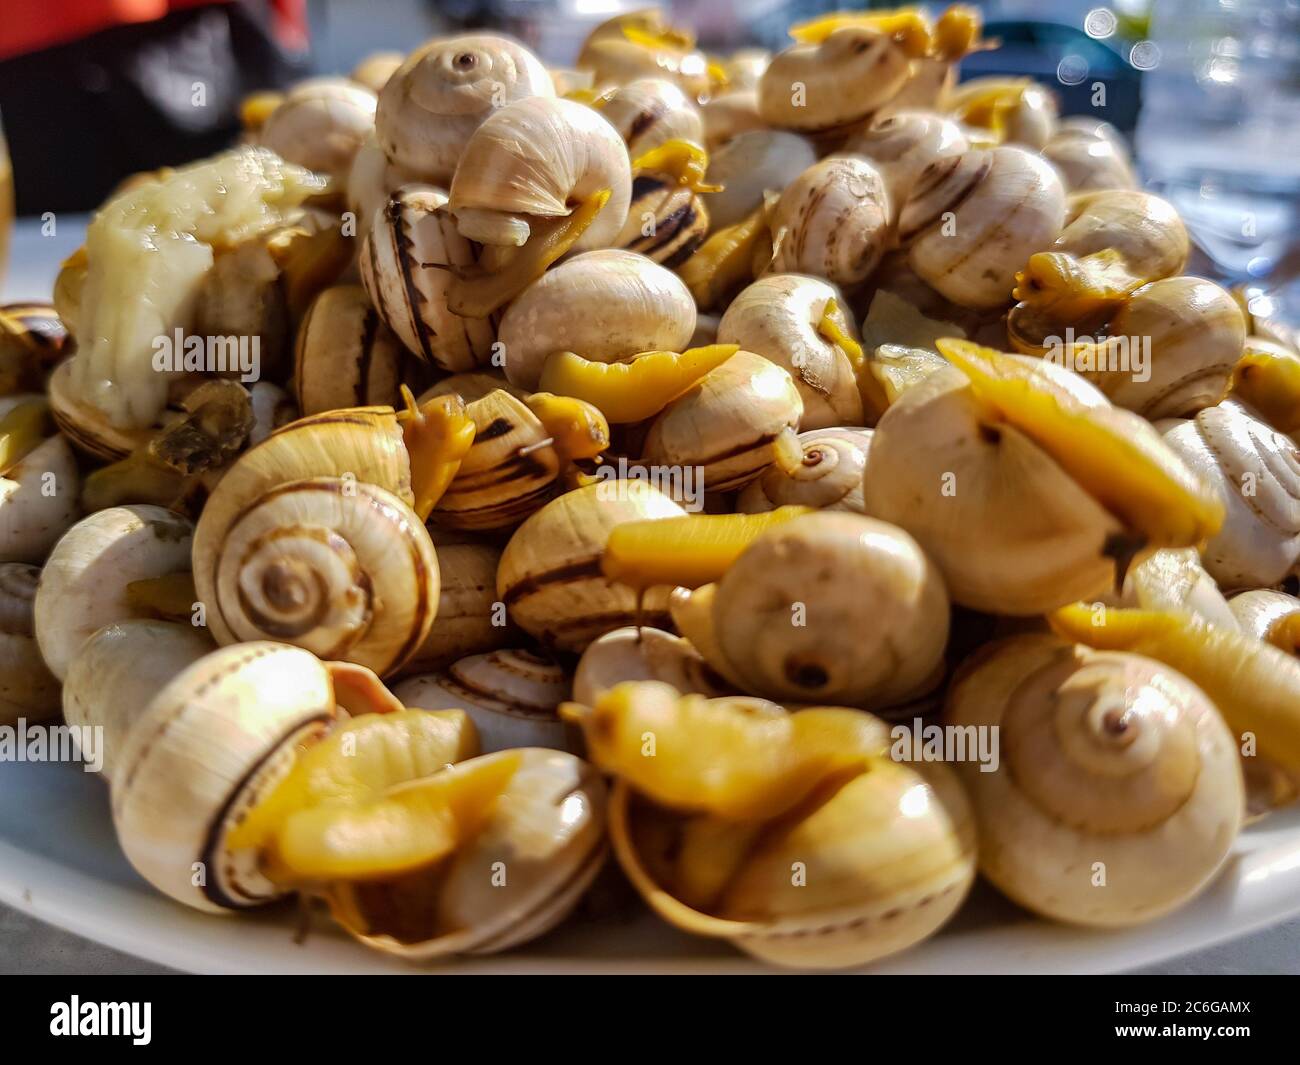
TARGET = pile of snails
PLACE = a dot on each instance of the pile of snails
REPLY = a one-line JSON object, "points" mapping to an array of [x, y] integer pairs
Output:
{"points": [[631, 449]]}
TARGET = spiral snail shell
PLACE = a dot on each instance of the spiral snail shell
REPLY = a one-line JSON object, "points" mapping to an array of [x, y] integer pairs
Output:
{"points": [[406, 261], [783, 317], [431, 105], [1273, 617], [320, 124], [510, 695], [903, 145], [828, 477], [974, 219], [309, 538], [550, 577], [27, 688], [750, 165], [1109, 762], [648, 112], [1256, 470], [829, 607], [533, 160], [642, 653], [832, 221]]}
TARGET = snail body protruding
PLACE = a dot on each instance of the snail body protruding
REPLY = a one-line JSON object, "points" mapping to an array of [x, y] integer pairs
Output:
{"points": [[1114, 771]]}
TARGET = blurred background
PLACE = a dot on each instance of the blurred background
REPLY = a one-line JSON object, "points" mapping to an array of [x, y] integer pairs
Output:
{"points": [[1208, 91]]}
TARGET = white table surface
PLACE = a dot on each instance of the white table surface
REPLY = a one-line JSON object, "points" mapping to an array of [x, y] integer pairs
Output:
{"points": [[29, 946]]}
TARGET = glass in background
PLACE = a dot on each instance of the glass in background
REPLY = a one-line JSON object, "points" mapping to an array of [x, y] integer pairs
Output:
{"points": [[1219, 133]]}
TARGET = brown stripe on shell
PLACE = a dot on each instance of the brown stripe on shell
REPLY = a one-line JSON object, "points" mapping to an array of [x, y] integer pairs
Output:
{"points": [[402, 245], [965, 172]]}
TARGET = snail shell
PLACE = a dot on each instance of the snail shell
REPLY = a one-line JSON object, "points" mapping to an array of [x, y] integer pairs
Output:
{"points": [[467, 607], [834, 84], [345, 355], [309, 538], [272, 408], [510, 695], [84, 425], [217, 737], [1106, 758], [889, 857], [833, 221], [830, 477], [1029, 119], [371, 180], [321, 124], [27, 688], [649, 111], [535, 159], [406, 263], [547, 829], [1144, 229], [726, 422], [84, 583], [727, 117], [642, 653], [749, 165], [38, 495], [119, 670], [903, 145], [666, 221], [1174, 579], [1257, 473], [509, 472], [1273, 617], [1196, 334], [1090, 158], [828, 607], [777, 317], [32, 339], [973, 220], [431, 106], [550, 577], [744, 67], [604, 305], [374, 70], [1017, 535]]}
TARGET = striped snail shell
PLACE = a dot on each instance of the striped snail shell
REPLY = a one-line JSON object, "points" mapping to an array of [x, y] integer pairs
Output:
{"points": [[649, 111], [310, 539], [666, 222], [407, 263], [345, 355]]}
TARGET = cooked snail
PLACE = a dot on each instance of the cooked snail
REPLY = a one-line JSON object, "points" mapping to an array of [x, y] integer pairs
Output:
{"points": [[641, 44], [828, 475], [1090, 155], [828, 607], [727, 117], [667, 220], [750, 165], [39, 481], [407, 259], [112, 678], [1273, 617], [320, 124], [345, 356], [642, 653], [794, 836], [550, 577], [799, 323], [603, 305], [27, 688], [469, 619], [973, 220], [903, 145], [430, 107], [100, 572], [1118, 795], [32, 339], [649, 112], [1031, 487], [1256, 472], [1012, 110], [725, 424], [374, 70], [512, 696], [832, 221]]}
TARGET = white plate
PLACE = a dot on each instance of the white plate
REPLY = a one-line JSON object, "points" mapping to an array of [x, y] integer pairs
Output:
{"points": [[60, 863]]}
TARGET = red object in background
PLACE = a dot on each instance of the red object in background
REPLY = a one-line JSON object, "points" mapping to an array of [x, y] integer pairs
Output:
{"points": [[30, 25]]}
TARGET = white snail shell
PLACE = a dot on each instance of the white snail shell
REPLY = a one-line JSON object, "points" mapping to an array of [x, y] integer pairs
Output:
{"points": [[730, 115], [27, 688], [212, 741], [431, 106], [510, 695], [603, 305], [119, 670], [467, 621], [321, 124], [777, 317], [1091, 157], [345, 356], [830, 477], [1257, 472], [406, 261], [973, 221], [1105, 758], [903, 145], [649, 111], [833, 221], [752, 163], [1273, 617], [533, 160], [642, 653], [372, 178], [84, 583], [38, 496]]}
